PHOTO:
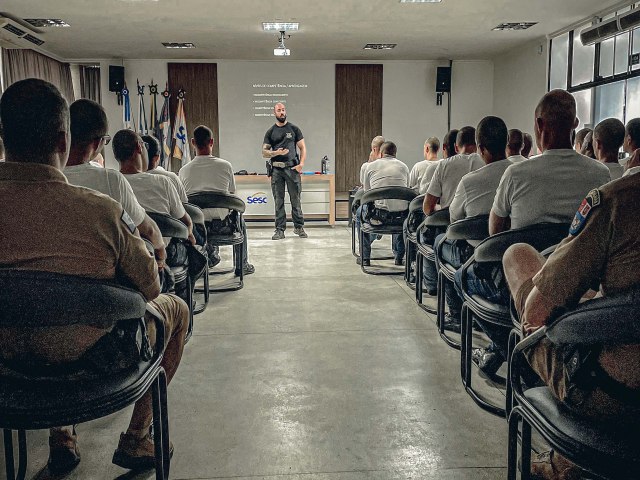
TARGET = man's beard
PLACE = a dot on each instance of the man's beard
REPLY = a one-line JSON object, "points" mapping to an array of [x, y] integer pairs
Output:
{"points": [[282, 119]]}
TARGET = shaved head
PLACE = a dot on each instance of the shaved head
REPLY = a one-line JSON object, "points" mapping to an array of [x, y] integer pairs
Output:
{"points": [[558, 110], [580, 135], [377, 142], [515, 142], [610, 134], [527, 145]]}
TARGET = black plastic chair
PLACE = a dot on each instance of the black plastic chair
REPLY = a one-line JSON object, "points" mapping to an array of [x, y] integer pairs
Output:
{"points": [[369, 198], [471, 230], [179, 233], [197, 217], [416, 217], [540, 236], [606, 448], [435, 223], [68, 395], [235, 239], [355, 204]]}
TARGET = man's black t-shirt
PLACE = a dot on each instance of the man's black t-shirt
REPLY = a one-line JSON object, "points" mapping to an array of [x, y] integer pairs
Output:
{"points": [[284, 137]]}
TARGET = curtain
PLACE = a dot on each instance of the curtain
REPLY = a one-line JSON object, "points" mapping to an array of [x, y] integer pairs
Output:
{"points": [[90, 82], [18, 64]]}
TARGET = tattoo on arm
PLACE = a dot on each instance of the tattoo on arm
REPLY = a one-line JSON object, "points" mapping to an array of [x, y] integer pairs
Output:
{"points": [[266, 151]]}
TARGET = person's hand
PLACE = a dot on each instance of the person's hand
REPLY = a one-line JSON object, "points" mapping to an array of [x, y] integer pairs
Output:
{"points": [[280, 151], [161, 257], [634, 161], [528, 329], [297, 168]]}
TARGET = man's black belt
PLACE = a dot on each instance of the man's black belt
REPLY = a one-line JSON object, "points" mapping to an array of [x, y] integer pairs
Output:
{"points": [[282, 164]]}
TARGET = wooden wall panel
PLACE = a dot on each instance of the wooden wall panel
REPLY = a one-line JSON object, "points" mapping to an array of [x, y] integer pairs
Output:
{"points": [[200, 82], [358, 119]]}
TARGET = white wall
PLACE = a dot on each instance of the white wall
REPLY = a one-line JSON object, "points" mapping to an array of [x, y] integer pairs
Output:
{"points": [[410, 113], [520, 82]]}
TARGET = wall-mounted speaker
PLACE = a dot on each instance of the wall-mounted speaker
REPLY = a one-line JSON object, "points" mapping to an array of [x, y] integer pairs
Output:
{"points": [[443, 80], [116, 78]]}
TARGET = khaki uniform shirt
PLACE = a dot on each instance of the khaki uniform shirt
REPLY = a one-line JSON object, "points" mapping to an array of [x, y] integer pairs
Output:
{"points": [[49, 225], [603, 249]]}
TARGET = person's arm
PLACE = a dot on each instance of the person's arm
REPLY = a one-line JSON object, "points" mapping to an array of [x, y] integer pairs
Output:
{"points": [[458, 205], [303, 155], [434, 192], [150, 231], [497, 223], [186, 219], [429, 204]]}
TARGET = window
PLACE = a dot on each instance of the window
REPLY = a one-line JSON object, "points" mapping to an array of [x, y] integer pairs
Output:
{"points": [[583, 60], [583, 103], [559, 62], [609, 102], [633, 99]]}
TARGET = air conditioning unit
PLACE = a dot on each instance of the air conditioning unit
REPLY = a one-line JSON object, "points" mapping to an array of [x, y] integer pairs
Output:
{"points": [[630, 19], [601, 31], [14, 35]]}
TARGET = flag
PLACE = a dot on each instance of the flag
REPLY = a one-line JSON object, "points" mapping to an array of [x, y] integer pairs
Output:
{"points": [[180, 135], [126, 108], [164, 130], [153, 109], [142, 114]]}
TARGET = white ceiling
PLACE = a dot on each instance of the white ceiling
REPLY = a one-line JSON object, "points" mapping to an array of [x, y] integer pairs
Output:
{"points": [[329, 29]]}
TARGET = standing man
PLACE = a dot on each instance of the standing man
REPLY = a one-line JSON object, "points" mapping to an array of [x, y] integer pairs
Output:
{"points": [[280, 145]]}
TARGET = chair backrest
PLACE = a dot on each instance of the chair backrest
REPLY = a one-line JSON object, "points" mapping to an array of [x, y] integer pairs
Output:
{"points": [[437, 219], [540, 236], [388, 193], [416, 204], [603, 321], [194, 212], [473, 228], [44, 299], [169, 226], [357, 200], [217, 200]]}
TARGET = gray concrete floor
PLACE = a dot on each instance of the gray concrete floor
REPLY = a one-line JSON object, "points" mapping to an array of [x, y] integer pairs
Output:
{"points": [[313, 371]]}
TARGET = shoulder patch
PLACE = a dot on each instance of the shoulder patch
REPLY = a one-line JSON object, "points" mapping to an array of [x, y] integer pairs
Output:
{"points": [[126, 219], [591, 201]]}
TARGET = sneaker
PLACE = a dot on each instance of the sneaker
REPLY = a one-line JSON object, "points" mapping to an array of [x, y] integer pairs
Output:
{"points": [[247, 269], [300, 232], [488, 361], [278, 235], [64, 455], [367, 263], [552, 465], [451, 323], [136, 453]]}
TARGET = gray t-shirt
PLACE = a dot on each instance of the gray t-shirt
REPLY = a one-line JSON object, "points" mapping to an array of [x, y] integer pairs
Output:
{"points": [[209, 174], [174, 179], [547, 188], [448, 174], [427, 176], [476, 191], [387, 172], [417, 172]]}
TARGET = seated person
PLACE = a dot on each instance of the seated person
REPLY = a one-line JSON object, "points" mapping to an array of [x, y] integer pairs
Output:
{"points": [[527, 145], [430, 153], [631, 140], [376, 143], [547, 188], [608, 137], [448, 150], [153, 152], [387, 171], [587, 146], [580, 136], [443, 185], [72, 231], [206, 173], [598, 251], [89, 128], [514, 146], [474, 196]]}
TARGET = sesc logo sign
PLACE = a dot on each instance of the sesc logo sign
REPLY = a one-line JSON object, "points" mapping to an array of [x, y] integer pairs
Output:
{"points": [[257, 198]]}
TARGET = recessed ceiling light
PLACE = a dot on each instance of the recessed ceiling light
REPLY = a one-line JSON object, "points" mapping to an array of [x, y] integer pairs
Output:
{"points": [[46, 22], [178, 45], [379, 46], [280, 26], [420, 1], [515, 26]]}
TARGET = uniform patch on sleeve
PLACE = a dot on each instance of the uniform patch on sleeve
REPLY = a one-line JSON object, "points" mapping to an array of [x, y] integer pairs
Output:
{"points": [[126, 219], [588, 204]]}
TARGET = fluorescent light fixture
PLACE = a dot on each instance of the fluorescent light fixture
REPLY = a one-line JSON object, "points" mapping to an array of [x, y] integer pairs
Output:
{"points": [[281, 52], [178, 45], [46, 22], [420, 1], [515, 26], [379, 46], [280, 26]]}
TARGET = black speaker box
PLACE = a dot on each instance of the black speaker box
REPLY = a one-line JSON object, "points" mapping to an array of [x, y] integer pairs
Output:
{"points": [[443, 80], [116, 78]]}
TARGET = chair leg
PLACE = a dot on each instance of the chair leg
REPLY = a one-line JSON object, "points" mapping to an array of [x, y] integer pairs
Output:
{"points": [[8, 455], [525, 450], [440, 304], [513, 340], [512, 450], [419, 260], [466, 343], [166, 449], [157, 429], [353, 239], [22, 454]]}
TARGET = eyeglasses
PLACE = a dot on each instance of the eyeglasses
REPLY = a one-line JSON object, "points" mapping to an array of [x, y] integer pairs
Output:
{"points": [[106, 139]]}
